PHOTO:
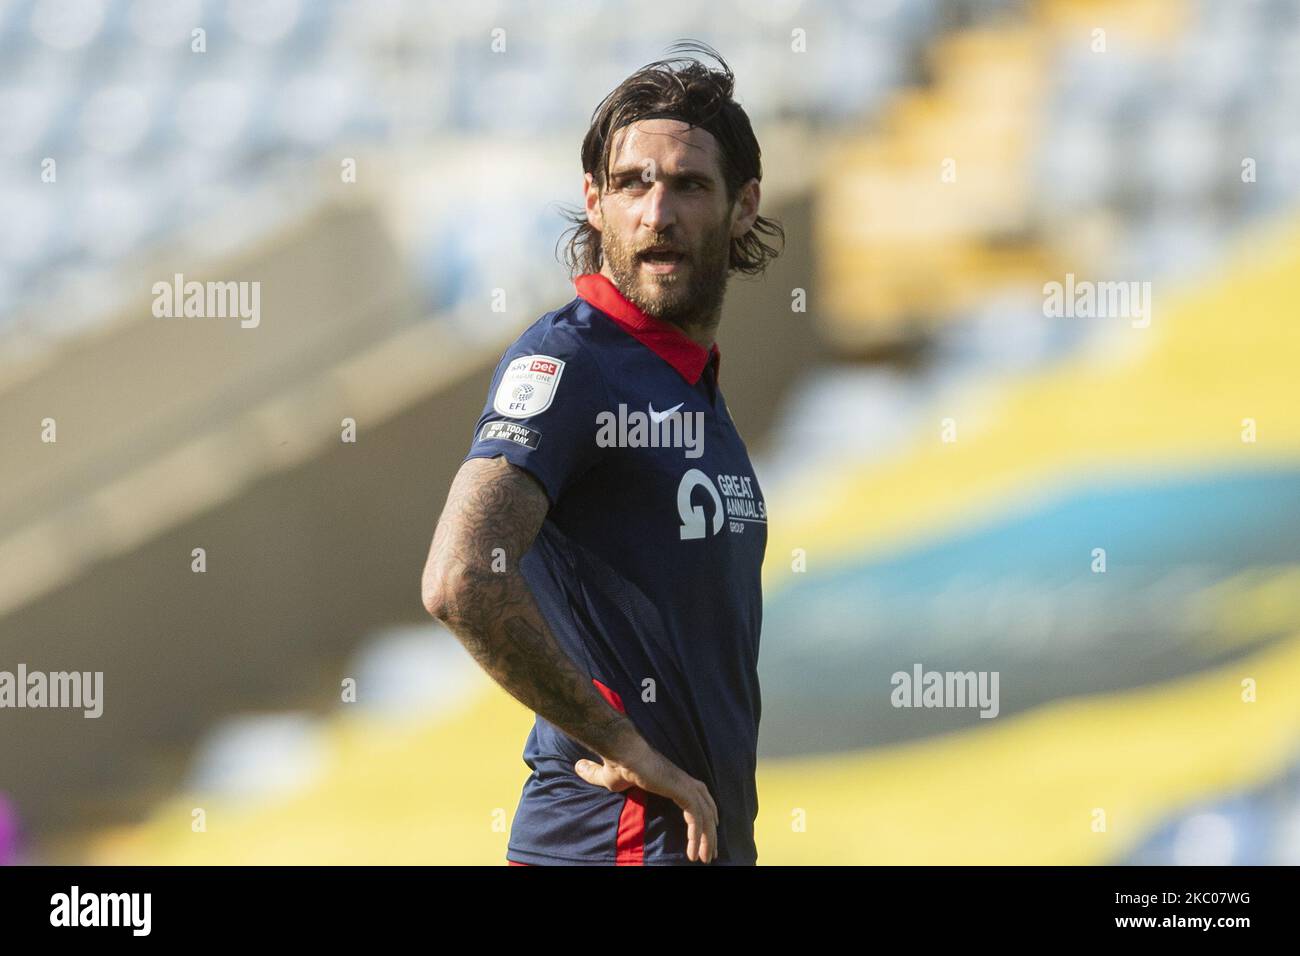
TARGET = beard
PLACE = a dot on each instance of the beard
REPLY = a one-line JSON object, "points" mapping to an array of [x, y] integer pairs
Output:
{"points": [[683, 299]]}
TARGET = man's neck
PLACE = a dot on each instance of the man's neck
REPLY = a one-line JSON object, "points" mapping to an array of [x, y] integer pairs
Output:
{"points": [[703, 333], [700, 330]]}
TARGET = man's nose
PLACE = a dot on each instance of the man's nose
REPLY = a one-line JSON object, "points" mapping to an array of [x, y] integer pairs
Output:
{"points": [[657, 209]]}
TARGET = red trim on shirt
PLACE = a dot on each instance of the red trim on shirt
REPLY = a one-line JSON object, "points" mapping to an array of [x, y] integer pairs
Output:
{"points": [[663, 338], [611, 696], [629, 843]]}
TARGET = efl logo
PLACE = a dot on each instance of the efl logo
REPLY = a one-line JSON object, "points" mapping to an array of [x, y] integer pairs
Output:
{"points": [[528, 386]]}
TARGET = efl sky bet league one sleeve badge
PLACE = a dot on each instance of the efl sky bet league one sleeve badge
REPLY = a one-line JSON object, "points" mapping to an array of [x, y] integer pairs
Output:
{"points": [[528, 386]]}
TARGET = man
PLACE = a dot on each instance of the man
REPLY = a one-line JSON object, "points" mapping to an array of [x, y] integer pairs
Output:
{"points": [[608, 580]]}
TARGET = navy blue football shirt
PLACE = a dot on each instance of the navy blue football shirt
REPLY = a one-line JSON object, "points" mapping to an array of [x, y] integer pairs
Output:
{"points": [[647, 569]]}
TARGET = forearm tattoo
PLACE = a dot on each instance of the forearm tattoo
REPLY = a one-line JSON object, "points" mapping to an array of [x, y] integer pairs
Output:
{"points": [[494, 505]]}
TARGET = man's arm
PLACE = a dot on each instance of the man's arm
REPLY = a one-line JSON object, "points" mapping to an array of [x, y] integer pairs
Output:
{"points": [[494, 504]]}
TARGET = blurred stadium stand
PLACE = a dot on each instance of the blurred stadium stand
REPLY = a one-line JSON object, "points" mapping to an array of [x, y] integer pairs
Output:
{"points": [[1120, 691]]}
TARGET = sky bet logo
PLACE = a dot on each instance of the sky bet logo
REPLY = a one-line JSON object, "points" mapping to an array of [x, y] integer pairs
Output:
{"points": [[528, 386]]}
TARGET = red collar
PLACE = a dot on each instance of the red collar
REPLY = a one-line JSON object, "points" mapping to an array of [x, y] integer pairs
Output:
{"points": [[663, 338]]}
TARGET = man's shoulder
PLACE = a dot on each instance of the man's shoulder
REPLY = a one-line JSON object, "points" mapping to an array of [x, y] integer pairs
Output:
{"points": [[565, 345], [573, 333], [569, 326]]}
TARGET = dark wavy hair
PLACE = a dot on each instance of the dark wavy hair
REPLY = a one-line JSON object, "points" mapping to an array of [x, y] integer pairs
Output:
{"points": [[684, 88]]}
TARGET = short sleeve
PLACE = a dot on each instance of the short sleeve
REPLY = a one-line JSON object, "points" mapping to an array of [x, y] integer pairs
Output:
{"points": [[541, 410]]}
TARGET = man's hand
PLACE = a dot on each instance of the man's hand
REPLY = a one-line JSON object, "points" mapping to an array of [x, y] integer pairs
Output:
{"points": [[655, 773]]}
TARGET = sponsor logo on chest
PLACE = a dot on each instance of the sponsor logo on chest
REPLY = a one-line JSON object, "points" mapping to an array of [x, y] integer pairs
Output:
{"points": [[705, 504]]}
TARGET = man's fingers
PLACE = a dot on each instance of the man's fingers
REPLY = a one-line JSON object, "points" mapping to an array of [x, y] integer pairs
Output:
{"points": [[601, 775], [590, 772], [706, 829], [709, 839], [691, 795], [701, 833]]}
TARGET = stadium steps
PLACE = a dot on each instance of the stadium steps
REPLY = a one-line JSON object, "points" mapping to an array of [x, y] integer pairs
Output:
{"points": [[1025, 788], [942, 189], [938, 193], [1025, 791]]}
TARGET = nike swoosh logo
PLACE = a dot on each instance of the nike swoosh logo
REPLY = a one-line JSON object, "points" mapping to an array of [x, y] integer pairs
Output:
{"points": [[657, 417]]}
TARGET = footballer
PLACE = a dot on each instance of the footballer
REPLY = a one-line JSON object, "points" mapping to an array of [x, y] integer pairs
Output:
{"points": [[613, 587]]}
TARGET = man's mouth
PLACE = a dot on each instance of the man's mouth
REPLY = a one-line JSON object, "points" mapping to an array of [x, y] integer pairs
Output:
{"points": [[660, 260]]}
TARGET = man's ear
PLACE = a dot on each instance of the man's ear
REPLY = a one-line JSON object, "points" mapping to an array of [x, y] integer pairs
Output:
{"points": [[592, 196], [746, 209]]}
